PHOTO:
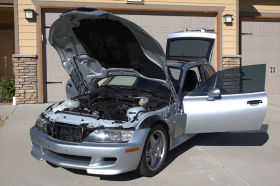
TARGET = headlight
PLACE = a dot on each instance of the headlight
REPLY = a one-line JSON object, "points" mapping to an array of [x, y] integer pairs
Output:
{"points": [[110, 135], [41, 124]]}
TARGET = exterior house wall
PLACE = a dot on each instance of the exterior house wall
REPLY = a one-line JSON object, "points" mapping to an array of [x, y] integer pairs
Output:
{"points": [[28, 32], [259, 17], [25, 70], [260, 6]]}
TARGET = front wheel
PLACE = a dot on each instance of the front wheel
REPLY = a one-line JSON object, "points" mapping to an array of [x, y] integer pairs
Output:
{"points": [[154, 152]]}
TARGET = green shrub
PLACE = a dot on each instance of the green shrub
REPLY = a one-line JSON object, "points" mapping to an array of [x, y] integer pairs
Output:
{"points": [[7, 90]]}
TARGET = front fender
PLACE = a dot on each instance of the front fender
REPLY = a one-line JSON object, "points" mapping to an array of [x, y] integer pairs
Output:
{"points": [[149, 122]]}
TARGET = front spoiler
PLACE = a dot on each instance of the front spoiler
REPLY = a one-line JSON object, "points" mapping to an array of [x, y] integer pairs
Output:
{"points": [[95, 158]]}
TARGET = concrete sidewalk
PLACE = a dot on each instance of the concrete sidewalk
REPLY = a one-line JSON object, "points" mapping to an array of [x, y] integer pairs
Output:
{"points": [[207, 159]]}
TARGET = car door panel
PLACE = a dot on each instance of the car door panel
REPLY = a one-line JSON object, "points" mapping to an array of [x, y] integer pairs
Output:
{"points": [[236, 112], [178, 120]]}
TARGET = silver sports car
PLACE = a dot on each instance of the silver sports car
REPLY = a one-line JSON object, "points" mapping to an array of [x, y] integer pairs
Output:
{"points": [[129, 103]]}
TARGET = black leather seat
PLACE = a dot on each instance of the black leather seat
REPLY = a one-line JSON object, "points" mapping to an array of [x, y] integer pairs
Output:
{"points": [[191, 81]]}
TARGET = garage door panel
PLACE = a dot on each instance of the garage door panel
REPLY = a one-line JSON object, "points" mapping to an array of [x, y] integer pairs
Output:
{"points": [[278, 42], [277, 28], [273, 77], [158, 25], [153, 24], [263, 55], [248, 41], [274, 28], [262, 27], [262, 47], [56, 76], [180, 21], [273, 41], [58, 73], [198, 23], [250, 55], [51, 16], [262, 41], [248, 27]]}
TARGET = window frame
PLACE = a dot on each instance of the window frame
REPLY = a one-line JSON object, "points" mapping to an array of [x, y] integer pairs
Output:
{"points": [[199, 66]]}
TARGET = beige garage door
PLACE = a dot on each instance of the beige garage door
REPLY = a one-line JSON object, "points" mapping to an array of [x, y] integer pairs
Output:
{"points": [[261, 45], [157, 25]]}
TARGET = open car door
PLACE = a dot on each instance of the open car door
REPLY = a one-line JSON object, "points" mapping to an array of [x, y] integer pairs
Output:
{"points": [[222, 104]]}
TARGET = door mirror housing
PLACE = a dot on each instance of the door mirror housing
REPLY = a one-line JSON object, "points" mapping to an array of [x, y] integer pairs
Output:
{"points": [[213, 93]]}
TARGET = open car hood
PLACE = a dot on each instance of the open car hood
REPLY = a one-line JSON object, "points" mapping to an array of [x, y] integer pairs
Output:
{"points": [[190, 45], [94, 44]]}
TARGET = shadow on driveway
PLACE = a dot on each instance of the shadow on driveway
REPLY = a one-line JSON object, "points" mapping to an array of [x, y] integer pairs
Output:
{"points": [[256, 138]]}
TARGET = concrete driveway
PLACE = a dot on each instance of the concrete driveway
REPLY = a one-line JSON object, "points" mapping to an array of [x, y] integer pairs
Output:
{"points": [[207, 159]]}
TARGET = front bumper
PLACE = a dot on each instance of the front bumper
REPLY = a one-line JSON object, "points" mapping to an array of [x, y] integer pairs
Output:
{"points": [[95, 158]]}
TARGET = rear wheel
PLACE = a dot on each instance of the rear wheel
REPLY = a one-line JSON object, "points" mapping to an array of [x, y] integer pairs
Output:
{"points": [[154, 152]]}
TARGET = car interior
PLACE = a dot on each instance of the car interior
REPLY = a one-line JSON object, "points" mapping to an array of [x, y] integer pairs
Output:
{"points": [[191, 81]]}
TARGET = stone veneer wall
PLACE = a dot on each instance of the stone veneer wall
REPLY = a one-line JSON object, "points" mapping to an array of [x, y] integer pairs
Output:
{"points": [[232, 73], [25, 70]]}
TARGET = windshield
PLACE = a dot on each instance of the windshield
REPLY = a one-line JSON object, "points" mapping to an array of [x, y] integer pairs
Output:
{"points": [[189, 48], [136, 83], [175, 76]]}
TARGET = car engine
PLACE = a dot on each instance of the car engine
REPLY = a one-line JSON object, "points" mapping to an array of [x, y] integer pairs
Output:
{"points": [[113, 107]]}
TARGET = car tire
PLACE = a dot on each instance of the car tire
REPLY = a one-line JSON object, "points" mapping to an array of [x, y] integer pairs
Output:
{"points": [[154, 152]]}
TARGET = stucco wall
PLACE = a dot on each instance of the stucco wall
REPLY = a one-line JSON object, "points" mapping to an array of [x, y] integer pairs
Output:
{"points": [[27, 30]]}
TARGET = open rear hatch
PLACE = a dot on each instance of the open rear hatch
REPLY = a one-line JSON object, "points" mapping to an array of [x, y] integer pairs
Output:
{"points": [[190, 45]]}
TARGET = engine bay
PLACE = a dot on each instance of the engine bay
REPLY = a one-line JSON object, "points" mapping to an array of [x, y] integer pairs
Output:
{"points": [[106, 105], [106, 108]]}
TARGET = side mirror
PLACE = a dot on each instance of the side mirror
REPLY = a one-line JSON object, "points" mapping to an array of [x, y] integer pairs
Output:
{"points": [[213, 93]]}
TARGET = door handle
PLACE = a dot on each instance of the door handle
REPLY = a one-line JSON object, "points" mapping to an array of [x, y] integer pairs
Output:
{"points": [[53, 82], [272, 70], [254, 102], [246, 33]]}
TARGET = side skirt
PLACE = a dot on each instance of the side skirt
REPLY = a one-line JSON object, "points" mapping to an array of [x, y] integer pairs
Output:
{"points": [[181, 139]]}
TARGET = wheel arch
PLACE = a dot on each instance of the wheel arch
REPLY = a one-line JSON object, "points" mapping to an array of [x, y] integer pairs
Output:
{"points": [[151, 121]]}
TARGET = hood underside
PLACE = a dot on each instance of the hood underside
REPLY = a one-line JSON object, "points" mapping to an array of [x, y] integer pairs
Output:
{"points": [[95, 44]]}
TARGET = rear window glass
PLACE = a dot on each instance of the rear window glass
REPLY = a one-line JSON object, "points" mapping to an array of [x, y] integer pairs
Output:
{"points": [[189, 47]]}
